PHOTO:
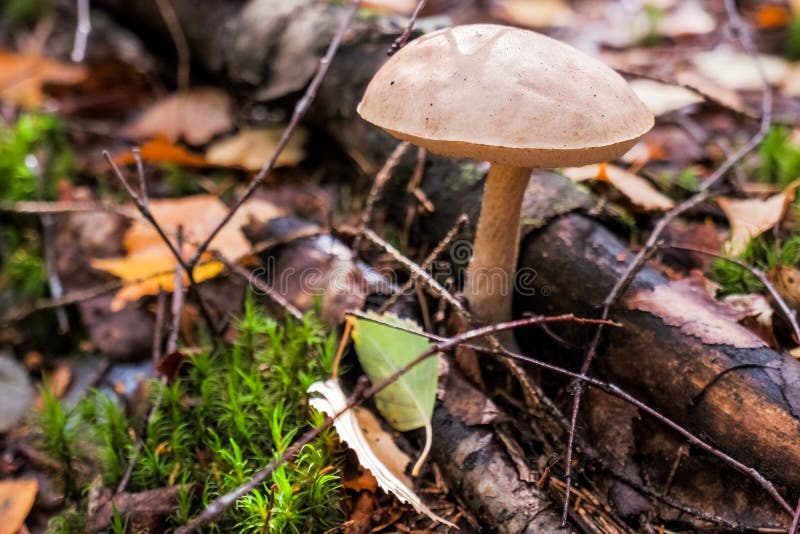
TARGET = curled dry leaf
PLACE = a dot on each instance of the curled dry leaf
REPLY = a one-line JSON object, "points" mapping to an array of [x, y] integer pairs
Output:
{"points": [[738, 71], [533, 14], [16, 501], [689, 18], [250, 148], [696, 313], [662, 98], [636, 188], [758, 316], [22, 77], [195, 116], [711, 89], [150, 265], [751, 217], [333, 401]]}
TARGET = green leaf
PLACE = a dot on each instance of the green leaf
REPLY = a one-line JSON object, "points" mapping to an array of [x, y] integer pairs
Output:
{"points": [[383, 350]]}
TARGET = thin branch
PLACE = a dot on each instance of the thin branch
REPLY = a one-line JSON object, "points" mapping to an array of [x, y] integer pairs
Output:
{"points": [[786, 310], [179, 40], [224, 502], [401, 41], [83, 28], [795, 519], [381, 178], [643, 255], [299, 112], [43, 207]]}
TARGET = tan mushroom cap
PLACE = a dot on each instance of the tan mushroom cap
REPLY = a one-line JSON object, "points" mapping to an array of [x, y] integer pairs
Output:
{"points": [[507, 96]]}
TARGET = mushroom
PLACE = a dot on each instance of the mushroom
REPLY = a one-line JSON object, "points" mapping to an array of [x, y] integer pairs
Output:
{"points": [[512, 97]]}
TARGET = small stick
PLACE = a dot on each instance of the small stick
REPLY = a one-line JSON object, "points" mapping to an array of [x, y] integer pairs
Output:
{"points": [[378, 184], [642, 256], [82, 30], [300, 110], [401, 41], [795, 519], [179, 40]]}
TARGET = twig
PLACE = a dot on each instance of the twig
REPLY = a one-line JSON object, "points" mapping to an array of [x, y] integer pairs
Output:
{"points": [[179, 40], [44, 207], [223, 502], [643, 254], [428, 261], [83, 28], [142, 205], [786, 310], [381, 178], [795, 519], [401, 41], [299, 112]]}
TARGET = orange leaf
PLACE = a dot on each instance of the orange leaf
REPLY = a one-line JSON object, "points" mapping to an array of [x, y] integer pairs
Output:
{"points": [[636, 188], [23, 75], [195, 116], [161, 151], [770, 16], [16, 501]]}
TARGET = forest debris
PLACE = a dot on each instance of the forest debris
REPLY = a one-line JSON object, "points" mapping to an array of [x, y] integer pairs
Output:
{"points": [[689, 18], [662, 98], [738, 71], [333, 401], [23, 75], [758, 316], [149, 263], [636, 188], [382, 444], [751, 217], [142, 511], [542, 13], [250, 148], [695, 312], [16, 501], [195, 116], [16, 393], [398, 7], [162, 151]]}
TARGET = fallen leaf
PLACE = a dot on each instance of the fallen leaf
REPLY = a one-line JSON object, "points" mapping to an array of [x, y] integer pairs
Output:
{"points": [[738, 71], [787, 282], [694, 311], [195, 116], [162, 151], [398, 7], [149, 263], [252, 148], [333, 401], [751, 217], [540, 13], [634, 187], [771, 16], [791, 83], [711, 89], [662, 98], [689, 18], [16, 501], [22, 77], [16, 393], [758, 314]]}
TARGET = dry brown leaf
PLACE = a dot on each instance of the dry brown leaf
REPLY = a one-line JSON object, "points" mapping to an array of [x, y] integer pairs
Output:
{"points": [[162, 151], [791, 83], [195, 116], [331, 401], [689, 18], [252, 148], [16, 501], [634, 187], [787, 282], [692, 310], [751, 217], [662, 98], [738, 71], [771, 16], [758, 316], [398, 7], [382, 444], [149, 257], [709, 88], [23, 75], [536, 14]]}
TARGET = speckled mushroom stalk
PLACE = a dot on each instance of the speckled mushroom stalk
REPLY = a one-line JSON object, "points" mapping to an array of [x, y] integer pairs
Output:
{"points": [[512, 97], [489, 280]]}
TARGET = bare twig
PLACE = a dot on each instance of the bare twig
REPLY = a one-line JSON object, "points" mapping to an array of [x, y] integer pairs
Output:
{"points": [[377, 187], [142, 204], [83, 28], [650, 246], [224, 502], [43, 207], [795, 519], [428, 261], [401, 41], [299, 112], [786, 310], [179, 40]]}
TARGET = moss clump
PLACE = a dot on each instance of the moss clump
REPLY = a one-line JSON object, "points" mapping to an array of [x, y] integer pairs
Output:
{"points": [[760, 253], [230, 413], [779, 157]]}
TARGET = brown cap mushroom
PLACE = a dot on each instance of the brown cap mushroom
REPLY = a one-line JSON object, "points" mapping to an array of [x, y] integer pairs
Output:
{"points": [[517, 99]]}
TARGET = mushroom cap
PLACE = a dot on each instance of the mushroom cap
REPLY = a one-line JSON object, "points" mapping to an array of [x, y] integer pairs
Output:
{"points": [[505, 95]]}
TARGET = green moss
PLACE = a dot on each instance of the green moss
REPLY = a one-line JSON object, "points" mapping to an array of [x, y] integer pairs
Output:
{"points": [[227, 415], [793, 39], [760, 253], [779, 157]]}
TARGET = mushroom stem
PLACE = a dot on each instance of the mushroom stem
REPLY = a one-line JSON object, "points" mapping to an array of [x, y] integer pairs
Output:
{"points": [[489, 284]]}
